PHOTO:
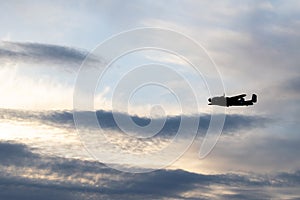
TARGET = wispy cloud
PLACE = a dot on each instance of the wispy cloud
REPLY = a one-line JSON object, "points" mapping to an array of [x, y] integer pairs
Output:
{"points": [[43, 74], [38, 54]]}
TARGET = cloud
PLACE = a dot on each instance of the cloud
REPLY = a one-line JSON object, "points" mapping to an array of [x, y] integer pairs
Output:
{"points": [[255, 45], [233, 122], [54, 133], [292, 85], [246, 40], [38, 53], [40, 73], [15, 154], [280, 99], [263, 150], [78, 179]]}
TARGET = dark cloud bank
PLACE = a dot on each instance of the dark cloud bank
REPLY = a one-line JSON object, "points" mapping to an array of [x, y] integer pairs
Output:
{"points": [[233, 123], [61, 178]]}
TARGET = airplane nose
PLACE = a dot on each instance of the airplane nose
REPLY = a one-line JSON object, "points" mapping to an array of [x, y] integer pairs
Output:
{"points": [[209, 100]]}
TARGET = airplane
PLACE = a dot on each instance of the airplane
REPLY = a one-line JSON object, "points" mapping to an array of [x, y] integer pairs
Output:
{"points": [[232, 101]]}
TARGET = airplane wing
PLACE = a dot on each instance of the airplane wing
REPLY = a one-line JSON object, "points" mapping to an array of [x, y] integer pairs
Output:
{"points": [[238, 96]]}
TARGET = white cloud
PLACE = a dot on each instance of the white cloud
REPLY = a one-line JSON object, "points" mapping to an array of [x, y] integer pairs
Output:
{"points": [[23, 92]]}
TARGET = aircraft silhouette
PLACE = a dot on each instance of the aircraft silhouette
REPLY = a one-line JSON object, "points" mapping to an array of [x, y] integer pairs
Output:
{"points": [[232, 101]]}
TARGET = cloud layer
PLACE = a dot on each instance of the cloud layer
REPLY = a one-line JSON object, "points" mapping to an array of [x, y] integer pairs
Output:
{"points": [[37, 177], [233, 123], [22, 52]]}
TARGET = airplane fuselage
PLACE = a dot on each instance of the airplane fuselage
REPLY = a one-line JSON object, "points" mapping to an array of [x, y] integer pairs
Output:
{"points": [[232, 101]]}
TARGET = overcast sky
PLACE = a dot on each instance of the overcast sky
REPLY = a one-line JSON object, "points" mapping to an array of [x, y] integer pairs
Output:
{"points": [[255, 48]]}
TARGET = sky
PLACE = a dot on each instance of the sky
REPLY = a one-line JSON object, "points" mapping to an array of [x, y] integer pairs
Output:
{"points": [[108, 99]]}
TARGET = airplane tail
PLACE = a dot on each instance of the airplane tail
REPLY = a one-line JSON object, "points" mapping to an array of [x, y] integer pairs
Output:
{"points": [[254, 98]]}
